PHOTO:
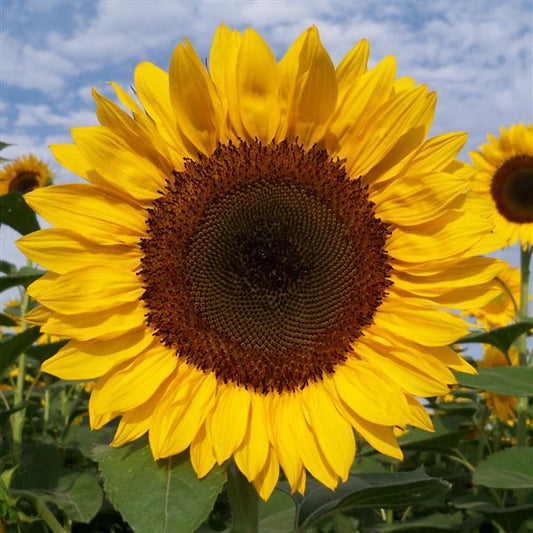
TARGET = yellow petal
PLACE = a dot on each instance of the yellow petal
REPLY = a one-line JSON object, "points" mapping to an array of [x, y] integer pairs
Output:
{"points": [[135, 423], [70, 157], [62, 251], [419, 416], [152, 86], [227, 423], [452, 234], [176, 422], [257, 87], [38, 316], [252, 454], [88, 289], [308, 89], [87, 210], [370, 91], [202, 456], [368, 394], [87, 326], [430, 193], [351, 68], [223, 71], [282, 438], [266, 481], [381, 438], [136, 382], [429, 327], [333, 433], [194, 99], [118, 166], [94, 358], [311, 453]]}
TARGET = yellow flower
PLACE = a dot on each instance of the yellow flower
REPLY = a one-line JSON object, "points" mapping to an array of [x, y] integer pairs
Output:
{"points": [[504, 180], [500, 310], [23, 175], [258, 263], [504, 407]]}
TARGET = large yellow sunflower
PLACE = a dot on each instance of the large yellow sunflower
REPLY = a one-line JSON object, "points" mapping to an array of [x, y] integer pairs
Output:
{"points": [[258, 263], [501, 310], [504, 179], [504, 407], [24, 174]]}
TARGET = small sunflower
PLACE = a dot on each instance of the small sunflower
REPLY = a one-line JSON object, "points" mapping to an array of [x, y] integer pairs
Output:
{"points": [[504, 407], [500, 310], [259, 262], [504, 179], [24, 174]]}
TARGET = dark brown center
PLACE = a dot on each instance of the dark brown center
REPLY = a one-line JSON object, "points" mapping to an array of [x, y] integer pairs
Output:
{"points": [[512, 189], [24, 182], [263, 264]]}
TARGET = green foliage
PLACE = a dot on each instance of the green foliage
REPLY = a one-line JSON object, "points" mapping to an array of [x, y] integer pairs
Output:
{"points": [[13, 346], [388, 491], [20, 278], [508, 469], [502, 337], [2, 146], [176, 500], [508, 380], [14, 212]]}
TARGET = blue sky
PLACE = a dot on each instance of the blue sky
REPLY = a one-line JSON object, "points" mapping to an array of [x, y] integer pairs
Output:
{"points": [[477, 55]]}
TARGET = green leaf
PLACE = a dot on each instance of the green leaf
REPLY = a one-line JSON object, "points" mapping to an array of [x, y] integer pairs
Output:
{"points": [[435, 522], [4, 145], [388, 491], [508, 380], [174, 498], [42, 475], [6, 267], [502, 338], [40, 352], [510, 518], [416, 439], [7, 321], [16, 280], [276, 515], [508, 469], [14, 346], [14, 212]]}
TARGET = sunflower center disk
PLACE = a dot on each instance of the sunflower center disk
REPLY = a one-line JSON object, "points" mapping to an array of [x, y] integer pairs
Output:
{"points": [[24, 182], [512, 189], [263, 264]]}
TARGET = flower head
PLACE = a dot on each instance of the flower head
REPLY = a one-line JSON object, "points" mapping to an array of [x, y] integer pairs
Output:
{"points": [[504, 180], [500, 310], [259, 262], [504, 407], [23, 175]]}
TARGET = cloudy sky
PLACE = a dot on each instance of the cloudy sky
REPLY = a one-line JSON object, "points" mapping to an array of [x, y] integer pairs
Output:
{"points": [[477, 55]]}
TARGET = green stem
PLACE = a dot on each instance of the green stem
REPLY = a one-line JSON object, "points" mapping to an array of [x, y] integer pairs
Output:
{"points": [[244, 502], [20, 416], [48, 517], [522, 402]]}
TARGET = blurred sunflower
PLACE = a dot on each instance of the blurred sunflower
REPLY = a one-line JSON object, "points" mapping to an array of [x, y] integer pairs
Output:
{"points": [[257, 264], [501, 310], [24, 174], [504, 179], [504, 407]]}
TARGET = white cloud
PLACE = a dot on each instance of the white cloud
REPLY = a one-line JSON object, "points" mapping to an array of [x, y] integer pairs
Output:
{"points": [[31, 115]]}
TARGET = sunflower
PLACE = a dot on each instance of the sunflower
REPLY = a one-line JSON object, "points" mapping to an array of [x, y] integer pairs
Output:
{"points": [[501, 310], [23, 175], [503, 407], [504, 180], [258, 263]]}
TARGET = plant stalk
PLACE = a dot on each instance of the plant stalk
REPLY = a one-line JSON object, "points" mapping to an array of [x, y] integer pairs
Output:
{"points": [[244, 502], [522, 402], [20, 416]]}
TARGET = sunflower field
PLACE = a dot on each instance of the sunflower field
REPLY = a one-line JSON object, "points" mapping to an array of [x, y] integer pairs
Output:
{"points": [[271, 303]]}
